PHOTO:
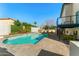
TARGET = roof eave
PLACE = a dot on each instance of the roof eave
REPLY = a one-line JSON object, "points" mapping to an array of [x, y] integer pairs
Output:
{"points": [[63, 8]]}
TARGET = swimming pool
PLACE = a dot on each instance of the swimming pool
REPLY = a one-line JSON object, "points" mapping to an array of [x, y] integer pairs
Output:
{"points": [[25, 39]]}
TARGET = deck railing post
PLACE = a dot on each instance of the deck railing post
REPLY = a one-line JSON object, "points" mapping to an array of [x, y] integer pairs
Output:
{"points": [[57, 25], [70, 19]]}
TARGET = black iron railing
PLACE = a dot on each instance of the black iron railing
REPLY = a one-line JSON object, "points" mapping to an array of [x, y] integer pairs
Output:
{"points": [[68, 21]]}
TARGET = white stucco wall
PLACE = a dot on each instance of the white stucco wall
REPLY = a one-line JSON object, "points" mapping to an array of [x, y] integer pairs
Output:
{"points": [[5, 27], [70, 9], [63, 14], [67, 11], [35, 29], [70, 31], [75, 8]]}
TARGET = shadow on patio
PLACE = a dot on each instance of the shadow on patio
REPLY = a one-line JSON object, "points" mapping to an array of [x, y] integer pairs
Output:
{"points": [[54, 36], [48, 53], [4, 52]]}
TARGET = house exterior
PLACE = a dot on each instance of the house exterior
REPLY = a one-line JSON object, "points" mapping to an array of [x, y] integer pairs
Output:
{"points": [[69, 19], [5, 26], [35, 29]]}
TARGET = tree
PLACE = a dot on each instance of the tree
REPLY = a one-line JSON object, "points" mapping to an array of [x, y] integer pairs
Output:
{"points": [[46, 27], [35, 23], [17, 22], [52, 27], [19, 27]]}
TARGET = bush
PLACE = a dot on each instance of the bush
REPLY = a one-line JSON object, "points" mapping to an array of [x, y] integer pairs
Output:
{"points": [[19, 27], [15, 29], [68, 37]]}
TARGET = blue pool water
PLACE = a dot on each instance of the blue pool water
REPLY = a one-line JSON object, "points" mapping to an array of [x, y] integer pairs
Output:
{"points": [[25, 39]]}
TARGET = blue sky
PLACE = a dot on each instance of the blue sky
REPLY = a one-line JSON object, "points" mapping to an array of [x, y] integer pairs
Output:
{"points": [[30, 12]]}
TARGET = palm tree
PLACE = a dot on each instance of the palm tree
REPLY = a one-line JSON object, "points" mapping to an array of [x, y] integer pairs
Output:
{"points": [[35, 23], [17, 22]]}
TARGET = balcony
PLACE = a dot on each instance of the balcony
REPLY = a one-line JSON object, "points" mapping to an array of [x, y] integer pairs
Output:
{"points": [[68, 22]]}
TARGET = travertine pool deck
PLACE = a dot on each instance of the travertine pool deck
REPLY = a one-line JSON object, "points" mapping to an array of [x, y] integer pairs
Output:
{"points": [[33, 50]]}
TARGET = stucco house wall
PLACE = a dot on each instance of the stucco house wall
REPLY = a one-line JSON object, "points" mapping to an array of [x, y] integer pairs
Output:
{"points": [[69, 10], [35, 29], [75, 10], [5, 26]]}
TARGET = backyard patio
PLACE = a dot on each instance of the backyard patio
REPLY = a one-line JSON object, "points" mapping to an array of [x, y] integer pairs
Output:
{"points": [[47, 46]]}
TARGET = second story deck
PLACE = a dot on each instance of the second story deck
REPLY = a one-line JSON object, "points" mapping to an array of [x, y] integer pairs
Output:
{"points": [[68, 21]]}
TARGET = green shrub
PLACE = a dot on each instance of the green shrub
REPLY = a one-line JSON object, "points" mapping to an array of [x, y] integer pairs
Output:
{"points": [[18, 27], [68, 37]]}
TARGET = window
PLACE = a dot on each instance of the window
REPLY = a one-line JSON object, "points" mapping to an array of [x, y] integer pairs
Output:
{"points": [[67, 32], [75, 32], [77, 17]]}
